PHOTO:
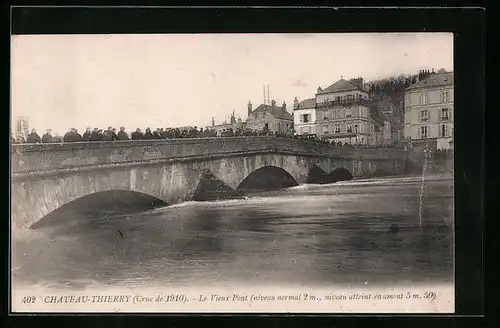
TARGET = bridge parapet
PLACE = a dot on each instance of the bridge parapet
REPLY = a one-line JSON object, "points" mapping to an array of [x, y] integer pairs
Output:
{"points": [[44, 157]]}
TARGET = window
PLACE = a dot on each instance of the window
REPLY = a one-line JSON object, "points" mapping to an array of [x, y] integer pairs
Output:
{"points": [[443, 131], [423, 132], [423, 99], [445, 114], [424, 115], [445, 96], [326, 129], [337, 128], [325, 115], [356, 128], [266, 127], [348, 113], [305, 118], [348, 129]]}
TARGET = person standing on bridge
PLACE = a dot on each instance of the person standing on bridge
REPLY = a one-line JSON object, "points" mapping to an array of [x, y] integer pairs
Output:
{"points": [[137, 135], [114, 136], [157, 134], [148, 135], [47, 137], [87, 135], [33, 137], [94, 136], [72, 136], [122, 135], [106, 136], [109, 135]]}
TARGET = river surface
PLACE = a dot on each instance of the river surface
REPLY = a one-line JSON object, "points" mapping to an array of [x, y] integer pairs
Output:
{"points": [[305, 235]]}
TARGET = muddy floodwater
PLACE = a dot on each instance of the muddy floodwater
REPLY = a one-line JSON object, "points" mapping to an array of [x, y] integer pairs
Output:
{"points": [[376, 231]]}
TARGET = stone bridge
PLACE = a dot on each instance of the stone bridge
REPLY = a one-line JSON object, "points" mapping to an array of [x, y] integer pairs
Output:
{"points": [[49, 177]]}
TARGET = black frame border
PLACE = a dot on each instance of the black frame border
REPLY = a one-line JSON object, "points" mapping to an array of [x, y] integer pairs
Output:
{"points": [[469, 28]]}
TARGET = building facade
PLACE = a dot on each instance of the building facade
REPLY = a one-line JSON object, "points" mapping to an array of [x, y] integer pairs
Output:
{"points": [[429, 110], [304, 117], [269, 118], [234, 125], [341, 114]]}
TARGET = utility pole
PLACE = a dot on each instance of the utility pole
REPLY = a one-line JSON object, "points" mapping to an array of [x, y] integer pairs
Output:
{"points": [[267, 98]]}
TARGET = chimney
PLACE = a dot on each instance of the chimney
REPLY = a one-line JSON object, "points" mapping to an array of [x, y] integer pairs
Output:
{"points": [[295, 103], [359, 82], [249, 108], [273, 103], [319, 89], [284, 106]]}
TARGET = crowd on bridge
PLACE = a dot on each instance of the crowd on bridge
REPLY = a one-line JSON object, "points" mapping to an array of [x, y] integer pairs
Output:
{"points": [[111, 134]]}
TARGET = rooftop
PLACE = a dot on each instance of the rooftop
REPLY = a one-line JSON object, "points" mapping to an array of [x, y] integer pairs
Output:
{"points": [[277, 112], [307, 103], [434, 80], [340, 85]]}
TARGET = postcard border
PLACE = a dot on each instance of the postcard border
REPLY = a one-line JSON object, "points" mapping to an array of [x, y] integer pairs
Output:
{"points": [[468, 26]]}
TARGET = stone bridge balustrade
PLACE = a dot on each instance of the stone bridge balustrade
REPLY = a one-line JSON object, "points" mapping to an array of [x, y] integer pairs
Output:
{"points": [[42, 157]]}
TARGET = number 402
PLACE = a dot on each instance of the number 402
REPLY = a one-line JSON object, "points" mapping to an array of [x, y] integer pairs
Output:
{"points": [[29, 299]]}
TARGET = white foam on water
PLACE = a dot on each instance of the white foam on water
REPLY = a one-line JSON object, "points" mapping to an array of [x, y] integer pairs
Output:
{"points": [[199, 204], [284, 198]]}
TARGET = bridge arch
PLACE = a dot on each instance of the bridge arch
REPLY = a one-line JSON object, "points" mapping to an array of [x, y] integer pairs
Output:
{"points": [[267, 177], [339, 174], [316, 175], [102, 203]]}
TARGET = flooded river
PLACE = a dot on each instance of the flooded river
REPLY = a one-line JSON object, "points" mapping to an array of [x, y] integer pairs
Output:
{"points": [[311, 234]]}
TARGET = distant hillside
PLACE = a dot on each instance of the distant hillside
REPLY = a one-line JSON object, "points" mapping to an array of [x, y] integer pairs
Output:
{"points": [[392, 89]]}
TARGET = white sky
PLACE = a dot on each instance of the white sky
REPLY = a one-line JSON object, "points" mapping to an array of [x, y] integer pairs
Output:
{"points": [[64, 81]]}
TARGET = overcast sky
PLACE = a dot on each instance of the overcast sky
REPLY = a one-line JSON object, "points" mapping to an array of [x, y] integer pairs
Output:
{"points": [[64, 81]]}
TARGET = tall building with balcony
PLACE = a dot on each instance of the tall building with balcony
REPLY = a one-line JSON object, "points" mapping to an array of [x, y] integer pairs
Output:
{"points": [[343, 113], [429, 110], [340, 113]]}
